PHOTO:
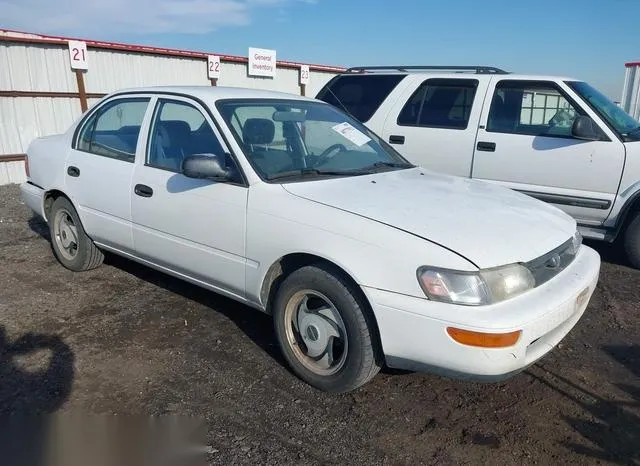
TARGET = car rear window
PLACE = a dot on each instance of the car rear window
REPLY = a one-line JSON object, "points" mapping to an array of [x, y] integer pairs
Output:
{"points": [[359, 95]]}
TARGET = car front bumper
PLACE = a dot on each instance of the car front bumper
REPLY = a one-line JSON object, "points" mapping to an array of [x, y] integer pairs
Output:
{"points": [[414, 336], [33, 197]]}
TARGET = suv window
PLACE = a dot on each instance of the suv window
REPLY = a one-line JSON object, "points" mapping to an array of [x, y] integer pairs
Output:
{"points": [[179, 129], [440, 103], [361, 95], [531, 108], [113, 130]]}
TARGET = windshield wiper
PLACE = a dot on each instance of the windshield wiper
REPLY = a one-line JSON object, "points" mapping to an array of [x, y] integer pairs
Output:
{"points": [[307, 172], [375, 166]]}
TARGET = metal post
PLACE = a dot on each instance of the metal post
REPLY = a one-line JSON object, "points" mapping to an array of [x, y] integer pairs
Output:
{"points": [[214, 81], [82, 93]]}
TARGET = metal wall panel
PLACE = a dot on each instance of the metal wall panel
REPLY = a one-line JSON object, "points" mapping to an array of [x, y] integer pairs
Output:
{"points": [[630, 101], [45, 67], [24, 118], [113, 70], [12, 172], [35, 67]]}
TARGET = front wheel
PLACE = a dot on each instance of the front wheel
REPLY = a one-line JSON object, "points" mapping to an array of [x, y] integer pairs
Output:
{"points": [[71, 245], [325, 330], [632, 240]]}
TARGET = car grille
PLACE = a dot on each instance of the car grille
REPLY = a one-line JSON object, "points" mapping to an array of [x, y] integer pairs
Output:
{"points": [[544, 268]]}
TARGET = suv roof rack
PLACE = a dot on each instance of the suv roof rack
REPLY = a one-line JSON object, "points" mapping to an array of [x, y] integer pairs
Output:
{"points": [[456, 68]]}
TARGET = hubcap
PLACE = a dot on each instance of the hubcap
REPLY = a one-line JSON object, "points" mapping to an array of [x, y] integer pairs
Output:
{"points": [[315, 332], [65, 234]]}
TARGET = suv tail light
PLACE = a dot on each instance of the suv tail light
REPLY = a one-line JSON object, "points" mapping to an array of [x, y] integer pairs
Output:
{"points": [[26, 165]]}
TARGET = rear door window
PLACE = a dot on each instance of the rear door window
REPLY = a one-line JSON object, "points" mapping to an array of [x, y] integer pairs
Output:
{"points": [[359, 95], [113, 130], [440, 103]]}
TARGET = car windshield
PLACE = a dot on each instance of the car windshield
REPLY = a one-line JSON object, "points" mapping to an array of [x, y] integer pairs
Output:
{"points": [[295, 139], [615, 116]]}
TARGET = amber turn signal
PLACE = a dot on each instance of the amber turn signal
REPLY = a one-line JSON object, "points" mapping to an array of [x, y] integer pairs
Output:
{"points": [[484, 340]]}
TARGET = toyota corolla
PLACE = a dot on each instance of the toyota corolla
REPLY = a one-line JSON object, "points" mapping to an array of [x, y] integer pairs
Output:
{"points": [[293, 207]]}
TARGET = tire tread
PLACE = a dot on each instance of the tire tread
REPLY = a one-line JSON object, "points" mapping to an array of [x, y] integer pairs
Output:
{"points": [[93, 256], [371, 360], [632, 240]]}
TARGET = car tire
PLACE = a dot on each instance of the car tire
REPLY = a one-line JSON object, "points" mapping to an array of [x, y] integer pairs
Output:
{"points": [[632, 240], [71, 245], [317, 305]]}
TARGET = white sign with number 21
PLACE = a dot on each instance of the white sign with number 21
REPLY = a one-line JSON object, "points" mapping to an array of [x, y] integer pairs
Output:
{"points": [[78, 55]]}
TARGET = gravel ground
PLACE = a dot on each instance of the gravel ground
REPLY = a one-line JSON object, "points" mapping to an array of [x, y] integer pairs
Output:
{"points": [[126, 340]]}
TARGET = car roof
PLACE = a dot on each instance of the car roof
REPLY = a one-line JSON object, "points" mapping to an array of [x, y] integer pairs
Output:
{"points": [[213, 93]]}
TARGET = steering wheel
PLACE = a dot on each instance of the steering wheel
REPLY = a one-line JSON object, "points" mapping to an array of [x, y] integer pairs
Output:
{"points": [[560, 117], [324, 157]]}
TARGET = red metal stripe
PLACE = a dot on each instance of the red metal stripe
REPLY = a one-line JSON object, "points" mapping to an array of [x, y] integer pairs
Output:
{"points": [[42, 39]]}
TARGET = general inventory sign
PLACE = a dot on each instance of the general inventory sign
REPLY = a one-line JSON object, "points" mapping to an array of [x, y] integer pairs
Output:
{"points": [[262, 62]]}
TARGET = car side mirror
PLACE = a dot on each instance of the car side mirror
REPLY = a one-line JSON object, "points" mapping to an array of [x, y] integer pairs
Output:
{"points": [[585, 128], [206, 166]]}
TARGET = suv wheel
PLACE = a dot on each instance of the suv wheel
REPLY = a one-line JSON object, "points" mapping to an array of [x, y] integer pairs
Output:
{"points": [[632, 240]]}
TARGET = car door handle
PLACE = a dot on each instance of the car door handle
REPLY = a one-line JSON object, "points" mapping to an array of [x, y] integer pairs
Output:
{"points": [[396, 139], [143, 190], [486, 146], [73, 171]]}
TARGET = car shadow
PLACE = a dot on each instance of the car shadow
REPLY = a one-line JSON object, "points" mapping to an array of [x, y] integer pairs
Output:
{"points": [[40, 227], [611, 253], [32, 386], [611, 428], [255, 324]]}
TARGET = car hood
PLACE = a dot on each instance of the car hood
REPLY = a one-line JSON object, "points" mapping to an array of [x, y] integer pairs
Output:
{"points": [[487, 224]]}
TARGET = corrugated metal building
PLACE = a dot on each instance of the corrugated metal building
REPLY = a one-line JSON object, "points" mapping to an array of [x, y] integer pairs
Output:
{"points": [[40, 94], [630, 101]]}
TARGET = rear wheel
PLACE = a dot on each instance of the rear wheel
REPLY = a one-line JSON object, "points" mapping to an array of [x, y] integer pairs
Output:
{"points": [[71, 245], [324, 329], [632, 240]]}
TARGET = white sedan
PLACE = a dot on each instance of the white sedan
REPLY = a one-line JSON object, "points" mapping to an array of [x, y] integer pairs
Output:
{"points": [[292, 207]]}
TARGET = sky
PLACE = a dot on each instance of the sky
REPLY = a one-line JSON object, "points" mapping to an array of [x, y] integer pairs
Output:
{"points": [[587, 39]]}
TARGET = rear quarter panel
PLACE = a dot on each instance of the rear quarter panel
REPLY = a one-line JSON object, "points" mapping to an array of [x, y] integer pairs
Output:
{"points": [[47, 160]]}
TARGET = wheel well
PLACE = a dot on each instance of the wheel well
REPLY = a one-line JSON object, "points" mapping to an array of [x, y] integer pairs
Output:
{"points": [[283, 267], [628, 214], [49, 199]]}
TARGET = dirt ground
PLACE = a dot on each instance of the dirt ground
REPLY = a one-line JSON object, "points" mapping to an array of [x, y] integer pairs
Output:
{"points": [[126, 340]]}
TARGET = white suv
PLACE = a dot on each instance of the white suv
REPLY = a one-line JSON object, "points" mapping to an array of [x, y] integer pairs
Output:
{"points": [[556, 139]]}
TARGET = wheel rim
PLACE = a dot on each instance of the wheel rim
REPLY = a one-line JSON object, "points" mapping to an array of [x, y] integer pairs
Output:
{"points": [[315, 332], [65, 234]]}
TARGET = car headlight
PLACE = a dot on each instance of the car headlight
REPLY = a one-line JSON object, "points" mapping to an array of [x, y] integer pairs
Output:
{"points": [[480, 288], [577, 242]]}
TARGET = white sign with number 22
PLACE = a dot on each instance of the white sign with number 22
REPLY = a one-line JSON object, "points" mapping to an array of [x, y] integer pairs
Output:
{"points": [[213, 66]]}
